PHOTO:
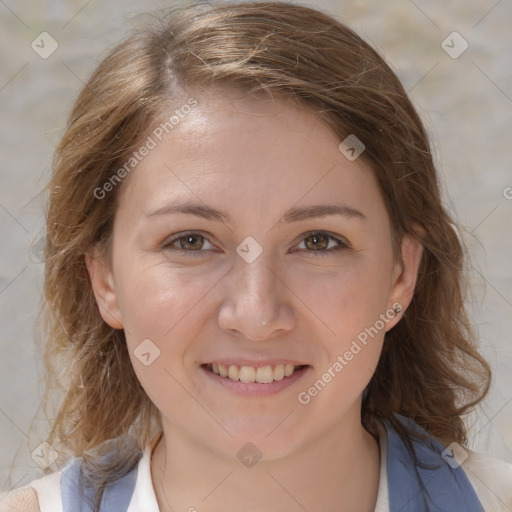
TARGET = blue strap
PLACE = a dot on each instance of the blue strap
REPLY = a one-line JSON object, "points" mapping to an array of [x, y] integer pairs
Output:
{"points": [[116, 497], [449, 489]]}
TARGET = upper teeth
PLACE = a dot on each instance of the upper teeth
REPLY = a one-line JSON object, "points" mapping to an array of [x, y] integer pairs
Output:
{"points": [[263, 374]]}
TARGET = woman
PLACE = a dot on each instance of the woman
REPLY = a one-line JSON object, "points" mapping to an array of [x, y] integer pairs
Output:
{"points": [[253, 284]]}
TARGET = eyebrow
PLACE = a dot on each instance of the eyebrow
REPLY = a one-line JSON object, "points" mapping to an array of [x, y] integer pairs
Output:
{"points": [[295, 214]]}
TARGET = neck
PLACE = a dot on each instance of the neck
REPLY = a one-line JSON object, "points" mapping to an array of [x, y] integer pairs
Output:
{"points": [[337, 472]]}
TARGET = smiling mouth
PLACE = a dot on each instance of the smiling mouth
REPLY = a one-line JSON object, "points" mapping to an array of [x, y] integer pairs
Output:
{"points": [[250, 374]]}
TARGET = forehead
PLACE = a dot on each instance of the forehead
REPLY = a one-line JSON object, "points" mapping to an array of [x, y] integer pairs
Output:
{"points": [[224, 123], [258, 150]]}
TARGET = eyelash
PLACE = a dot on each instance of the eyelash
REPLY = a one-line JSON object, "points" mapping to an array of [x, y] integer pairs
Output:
{"points": [[342, 244]]}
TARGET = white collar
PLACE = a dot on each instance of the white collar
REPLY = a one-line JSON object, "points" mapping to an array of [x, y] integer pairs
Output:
{"points": [[143, 497], [382, 504]]}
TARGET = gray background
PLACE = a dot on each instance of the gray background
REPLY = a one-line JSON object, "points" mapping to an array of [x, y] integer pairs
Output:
{"points": [[466, 103]]}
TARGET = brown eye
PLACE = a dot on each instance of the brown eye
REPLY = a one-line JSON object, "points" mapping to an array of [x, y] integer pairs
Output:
{"points": [[322, 244], [188, 243], [317, 241], [191, 242]]}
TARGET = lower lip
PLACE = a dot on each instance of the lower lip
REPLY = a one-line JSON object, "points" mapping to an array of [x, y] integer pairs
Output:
{"points": [[256, 388]]}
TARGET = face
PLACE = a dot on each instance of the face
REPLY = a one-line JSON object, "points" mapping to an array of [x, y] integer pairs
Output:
{"points": [[247, 244]]}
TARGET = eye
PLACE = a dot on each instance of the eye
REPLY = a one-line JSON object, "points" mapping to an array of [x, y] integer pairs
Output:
{"points": [[188, 242], [319, 243]]}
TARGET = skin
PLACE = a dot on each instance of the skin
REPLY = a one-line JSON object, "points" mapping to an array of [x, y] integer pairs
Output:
{"points": [[255, 159]]}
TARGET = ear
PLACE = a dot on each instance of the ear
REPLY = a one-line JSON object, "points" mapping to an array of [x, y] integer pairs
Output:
{"points": [[404, 277], [102, 282]]}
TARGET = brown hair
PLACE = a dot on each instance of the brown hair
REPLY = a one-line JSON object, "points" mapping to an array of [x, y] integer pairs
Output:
{"points": [[429, 370]]}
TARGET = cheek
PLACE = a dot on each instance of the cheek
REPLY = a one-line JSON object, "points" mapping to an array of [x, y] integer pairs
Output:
{"points": [[156, 301], [356, 317], [161, 309], [352, 305], [350, 298]]}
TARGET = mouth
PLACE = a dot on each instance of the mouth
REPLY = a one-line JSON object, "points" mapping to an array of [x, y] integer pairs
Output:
{"points": [[251, 374]]}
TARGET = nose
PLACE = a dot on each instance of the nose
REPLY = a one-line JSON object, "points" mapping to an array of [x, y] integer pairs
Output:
{"points": [[257, 302]]}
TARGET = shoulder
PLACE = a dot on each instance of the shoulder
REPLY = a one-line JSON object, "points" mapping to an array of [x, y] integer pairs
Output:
{"points": [[20, 500], [40, 495], [492, 480], [462, 477]]}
